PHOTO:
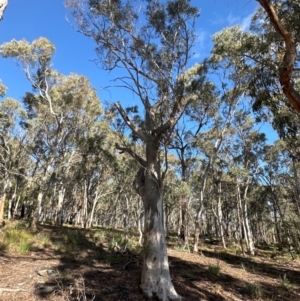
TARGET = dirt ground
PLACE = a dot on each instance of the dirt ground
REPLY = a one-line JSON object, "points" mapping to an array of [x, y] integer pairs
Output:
{"points": [[102, 275]]}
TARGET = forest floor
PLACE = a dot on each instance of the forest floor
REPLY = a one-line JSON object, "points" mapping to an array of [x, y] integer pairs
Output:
{"points": [[63, 263]]}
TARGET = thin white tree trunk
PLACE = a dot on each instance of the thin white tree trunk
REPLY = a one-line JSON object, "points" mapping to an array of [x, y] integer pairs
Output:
{"points": [[95, 201], [10, 203], [140, 221], [245, 221], [59, 211], [16, 207], [220, 215], [38, 209]]}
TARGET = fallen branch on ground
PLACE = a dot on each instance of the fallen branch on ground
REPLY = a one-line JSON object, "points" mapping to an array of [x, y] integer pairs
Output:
{"points": [[10, 290]]}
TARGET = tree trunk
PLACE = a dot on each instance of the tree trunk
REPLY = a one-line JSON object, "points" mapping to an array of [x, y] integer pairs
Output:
{"points": [[3, 4], [245, 221], [240, 225], [184, 212], [16, 207], [2, 203], [297, 186], [197, 222], [156, 280], [10, 204], [140, 222], [37, 211], [220, 215], [59, 213]]}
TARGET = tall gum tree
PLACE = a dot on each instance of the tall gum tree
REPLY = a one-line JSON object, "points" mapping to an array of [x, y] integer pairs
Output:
{"points": [[289, 34], [61, 110], [11, 163], [151, 42]]}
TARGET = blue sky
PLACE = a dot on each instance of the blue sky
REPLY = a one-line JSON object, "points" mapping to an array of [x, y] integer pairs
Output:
{"points": [[32, 19]]}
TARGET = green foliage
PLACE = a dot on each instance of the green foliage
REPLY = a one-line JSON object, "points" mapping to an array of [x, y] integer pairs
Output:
{"points": [[117, 241], [3, 89], [40, 51], [43, 238], [17, 240], [285, 283], [214, 270], [253, 290], [190, 273]]}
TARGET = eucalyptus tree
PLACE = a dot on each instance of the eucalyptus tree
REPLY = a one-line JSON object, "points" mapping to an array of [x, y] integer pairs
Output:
{"points": [[61, 110], [265, 62], [247, 149], [197, 115], [283, 18], [227, 93], [12, 163], [151, 42], [281, 193], [93, 173]]}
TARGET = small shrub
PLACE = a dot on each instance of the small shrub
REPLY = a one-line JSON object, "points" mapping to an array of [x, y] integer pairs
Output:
{"points": [[191, 273], [117, 242], [18, 240], [214, 270], [285, 283], [43, 239], [253, 290], [243, 267], [24, 246], [99, 236]]}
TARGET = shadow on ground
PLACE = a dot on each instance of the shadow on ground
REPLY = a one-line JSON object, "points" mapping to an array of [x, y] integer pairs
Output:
{"points": [[91, 268]]}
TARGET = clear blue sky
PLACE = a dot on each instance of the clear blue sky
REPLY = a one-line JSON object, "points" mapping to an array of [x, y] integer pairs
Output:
{"points": [[31, 19]]}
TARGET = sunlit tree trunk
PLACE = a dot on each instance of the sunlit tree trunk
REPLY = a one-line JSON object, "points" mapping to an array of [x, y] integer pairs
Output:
{"points": [[3, 4], [219, 215], [240, 226], [140, 221], [11, 202], [156, 279], [38, 209], [245, 218], [16, 207]]}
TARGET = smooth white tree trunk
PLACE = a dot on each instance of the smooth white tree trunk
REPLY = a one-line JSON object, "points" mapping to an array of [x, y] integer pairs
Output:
{"points": [[3, 4], [156, 279]]}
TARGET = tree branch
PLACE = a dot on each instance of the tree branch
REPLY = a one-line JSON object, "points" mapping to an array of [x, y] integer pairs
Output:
{"points": [[134, 155], [130, 124], [286, 69]]}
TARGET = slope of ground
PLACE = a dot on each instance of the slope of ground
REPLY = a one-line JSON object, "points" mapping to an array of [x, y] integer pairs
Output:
{"points": [[73, 264]]}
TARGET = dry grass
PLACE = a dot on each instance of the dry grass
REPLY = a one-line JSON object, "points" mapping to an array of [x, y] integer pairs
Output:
{"points": [[100, 264]]}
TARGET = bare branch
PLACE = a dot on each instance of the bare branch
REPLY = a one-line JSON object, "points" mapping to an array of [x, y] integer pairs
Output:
{"points": [[141, 134]]}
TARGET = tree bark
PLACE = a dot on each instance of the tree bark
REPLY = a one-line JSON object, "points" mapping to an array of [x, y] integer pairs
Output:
{"points": [[287, 65], [59, 212], [3, 4], [156, 280], [245, 218]]}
